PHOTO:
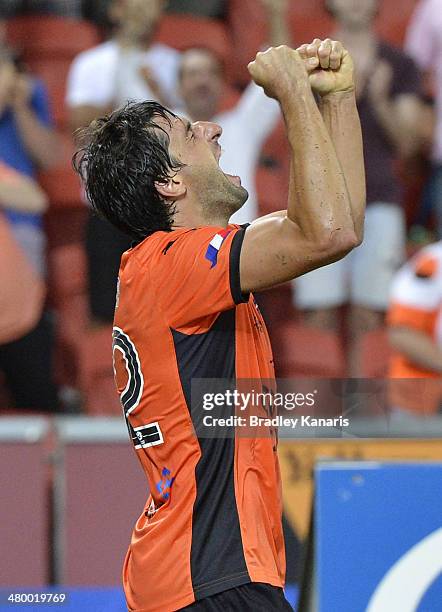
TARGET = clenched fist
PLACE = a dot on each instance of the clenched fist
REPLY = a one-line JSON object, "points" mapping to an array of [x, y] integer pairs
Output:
{"points": [[279, 71], [329, 65]]}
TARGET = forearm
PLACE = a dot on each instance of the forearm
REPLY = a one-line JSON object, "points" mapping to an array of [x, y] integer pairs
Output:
{"points": [[341, 119], [319, 201], [418, 347], [40, 141]]}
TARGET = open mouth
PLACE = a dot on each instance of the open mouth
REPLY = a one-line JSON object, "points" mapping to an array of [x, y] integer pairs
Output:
{"points": [[232, 178]]}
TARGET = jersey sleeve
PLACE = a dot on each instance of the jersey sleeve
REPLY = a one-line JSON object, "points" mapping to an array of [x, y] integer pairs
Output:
{"points": [[416, 294], [196, 275]]}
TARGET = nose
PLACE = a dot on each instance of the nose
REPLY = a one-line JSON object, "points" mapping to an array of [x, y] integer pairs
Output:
{"points": [[210, 131]]}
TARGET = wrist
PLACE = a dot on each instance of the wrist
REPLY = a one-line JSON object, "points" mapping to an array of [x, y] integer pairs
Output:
{"points": [[343, 94], [296, 93]]}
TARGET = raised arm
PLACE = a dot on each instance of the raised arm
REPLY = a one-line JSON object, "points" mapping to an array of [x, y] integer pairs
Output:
{"points": [[318, 226], [341, 118]]}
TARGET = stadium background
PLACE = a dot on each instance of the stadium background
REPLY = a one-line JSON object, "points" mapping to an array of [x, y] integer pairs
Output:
{"points": [[71, 486]]}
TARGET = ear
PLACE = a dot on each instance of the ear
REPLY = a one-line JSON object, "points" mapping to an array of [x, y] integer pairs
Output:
{"points": [[172, 189]]}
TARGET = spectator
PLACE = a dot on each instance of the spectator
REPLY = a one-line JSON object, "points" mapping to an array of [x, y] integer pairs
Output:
{"points": [[27, 142], [388, 89], [128, 66], [415, 323], [423, 43], [247, 125]]}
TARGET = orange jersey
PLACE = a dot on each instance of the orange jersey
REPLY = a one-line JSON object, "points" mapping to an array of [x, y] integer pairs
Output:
{"points": [[416, 303], [213, 519]]}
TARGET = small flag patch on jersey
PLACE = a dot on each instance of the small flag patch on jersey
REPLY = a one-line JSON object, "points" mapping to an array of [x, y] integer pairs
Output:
{"points": [[215, 245]]}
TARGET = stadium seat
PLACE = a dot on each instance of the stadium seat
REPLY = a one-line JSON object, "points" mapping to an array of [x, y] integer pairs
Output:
{"points": [[96, 373], [309, 352], [375, 354], [50, 37], [48, 45]]}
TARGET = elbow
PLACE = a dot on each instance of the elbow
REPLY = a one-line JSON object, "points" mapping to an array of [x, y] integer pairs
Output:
{"points": [[340, 243]]}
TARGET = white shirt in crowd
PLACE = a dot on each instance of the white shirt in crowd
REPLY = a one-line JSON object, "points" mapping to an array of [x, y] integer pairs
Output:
{"points": [[424, 44], [245, 129], [109, 75]]}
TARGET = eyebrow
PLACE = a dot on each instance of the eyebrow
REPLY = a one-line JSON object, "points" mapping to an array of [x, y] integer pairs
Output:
{"points": [[187, 125]]}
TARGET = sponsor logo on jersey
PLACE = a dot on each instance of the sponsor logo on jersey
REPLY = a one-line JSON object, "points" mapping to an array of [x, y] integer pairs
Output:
{"points": [[215, 245], [146, 435]]}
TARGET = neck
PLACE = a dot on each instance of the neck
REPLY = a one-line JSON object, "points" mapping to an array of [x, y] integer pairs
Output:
{"points": [[127, 41], [187, 216]]}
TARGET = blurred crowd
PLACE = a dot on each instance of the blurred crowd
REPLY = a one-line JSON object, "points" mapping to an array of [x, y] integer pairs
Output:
{"points": [[63, 63]]}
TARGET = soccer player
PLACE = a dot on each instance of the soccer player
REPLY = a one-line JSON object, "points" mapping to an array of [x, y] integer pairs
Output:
{"points": [[210, 536]]}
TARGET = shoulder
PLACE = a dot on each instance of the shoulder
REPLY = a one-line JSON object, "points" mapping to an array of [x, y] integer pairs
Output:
{"points": [[182, 245], [159, 243]]}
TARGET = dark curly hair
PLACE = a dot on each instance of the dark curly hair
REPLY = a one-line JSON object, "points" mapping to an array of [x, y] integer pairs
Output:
{"points": [[123, 155]]}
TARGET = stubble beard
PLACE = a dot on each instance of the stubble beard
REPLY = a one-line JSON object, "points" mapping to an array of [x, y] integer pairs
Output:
{"points": [[219, 198]]}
